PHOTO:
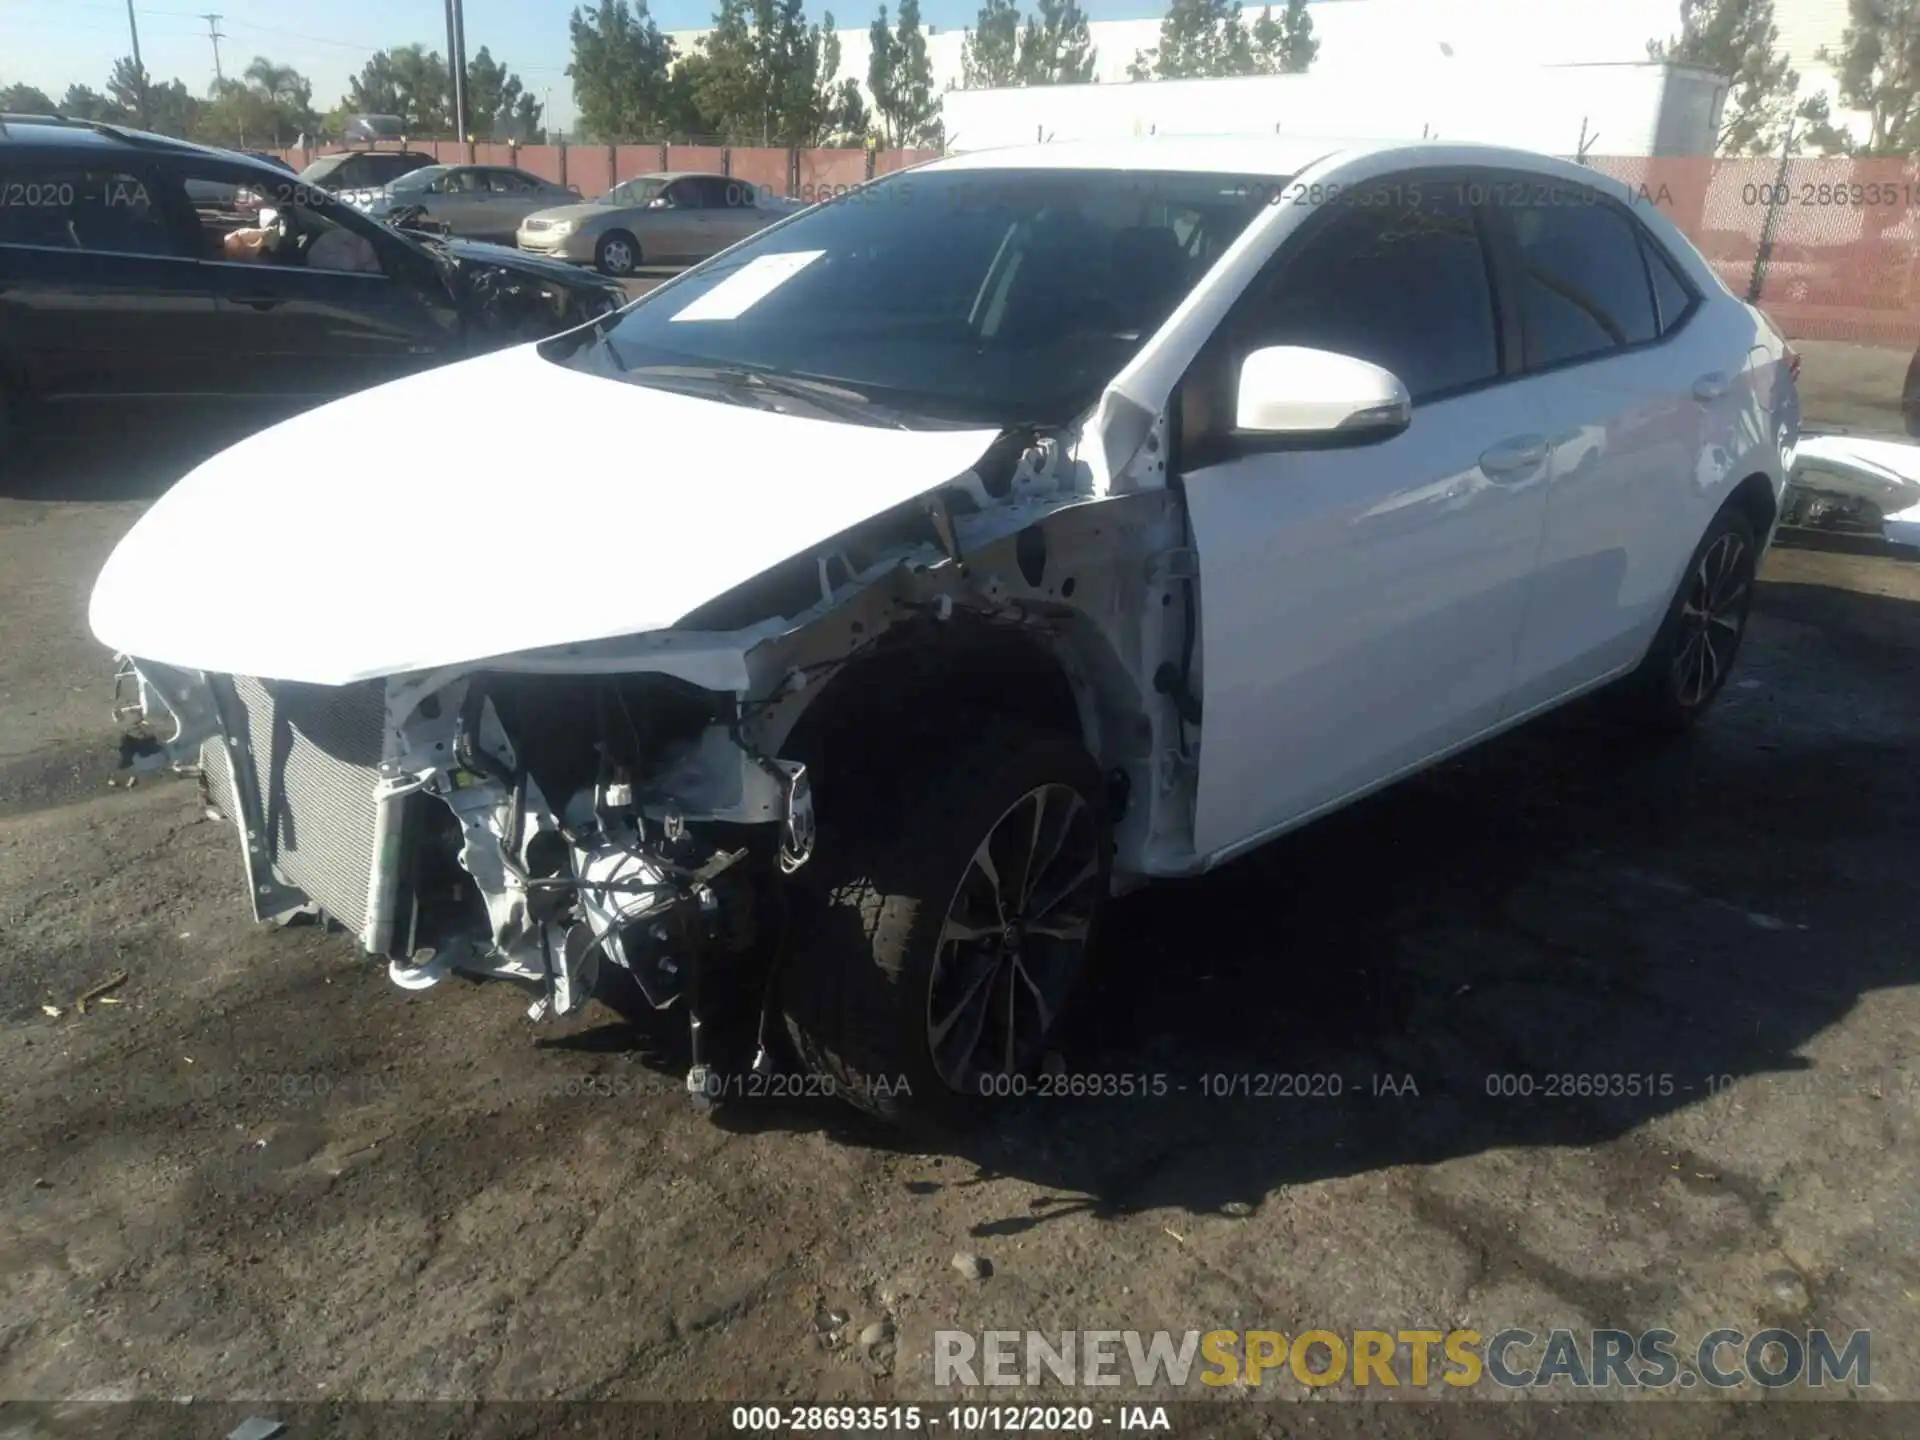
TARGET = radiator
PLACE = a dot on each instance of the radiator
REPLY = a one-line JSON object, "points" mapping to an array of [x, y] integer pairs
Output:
{"points": [[316, 756]]}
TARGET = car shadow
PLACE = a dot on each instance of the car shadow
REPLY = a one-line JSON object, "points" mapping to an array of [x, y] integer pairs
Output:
{"points": [[1430, 973], [134, 450]]}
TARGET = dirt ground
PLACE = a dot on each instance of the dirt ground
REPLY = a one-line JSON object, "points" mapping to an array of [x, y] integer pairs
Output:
{"points": [[267, 1175]]}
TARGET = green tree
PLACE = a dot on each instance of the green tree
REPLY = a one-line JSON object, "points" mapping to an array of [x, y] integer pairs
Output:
{"points": [[1198, 38], [625, 83], [900, 76], [169, 109], [84, 103], [762, 80], [839, 114], [20, 99], [494, 94], [990, 53], [1738, 39], [1879, 72], [1055, 46], [409, 81], [1285, 46], [270, 104]]}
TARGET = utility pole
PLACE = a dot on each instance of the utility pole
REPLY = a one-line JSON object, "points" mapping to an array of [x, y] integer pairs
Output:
{"points": [[457, 65], [140, 71], [213, 34]]}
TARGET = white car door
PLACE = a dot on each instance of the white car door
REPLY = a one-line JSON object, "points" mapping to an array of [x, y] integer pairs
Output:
{"points": [[1634, 382], [1359, 604]]}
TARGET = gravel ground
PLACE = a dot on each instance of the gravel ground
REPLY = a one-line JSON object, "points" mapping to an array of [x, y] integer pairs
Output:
{"points": [[455, 1205]]}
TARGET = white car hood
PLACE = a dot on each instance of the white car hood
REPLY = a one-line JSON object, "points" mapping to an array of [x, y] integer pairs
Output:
{"points": [[502, 504]]}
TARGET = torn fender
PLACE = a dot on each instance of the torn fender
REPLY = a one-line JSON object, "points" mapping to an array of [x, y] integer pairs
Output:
{"points": [[459, 515]]}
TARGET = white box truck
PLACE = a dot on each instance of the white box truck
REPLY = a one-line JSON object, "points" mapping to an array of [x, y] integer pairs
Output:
{"points": [[1631, 109]]}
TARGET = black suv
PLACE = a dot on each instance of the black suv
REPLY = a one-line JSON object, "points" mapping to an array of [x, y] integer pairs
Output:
{"points": [[118, 278]]}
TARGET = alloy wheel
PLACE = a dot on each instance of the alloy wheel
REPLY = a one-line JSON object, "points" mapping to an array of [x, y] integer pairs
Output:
{"points": [[1712, 617], [1014, 937], [617, 257]]}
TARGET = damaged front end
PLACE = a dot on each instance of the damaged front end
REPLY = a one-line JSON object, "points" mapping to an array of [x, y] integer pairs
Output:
{"points": [[621, 818], [575, 835]]}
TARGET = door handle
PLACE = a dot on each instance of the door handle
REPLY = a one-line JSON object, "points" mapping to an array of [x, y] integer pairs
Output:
{"points": [[1511, 457], [257, 302], [1710, 386]]}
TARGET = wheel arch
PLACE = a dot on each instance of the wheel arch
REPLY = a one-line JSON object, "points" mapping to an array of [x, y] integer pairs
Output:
{"points": [[926, 677], [1754, 496]]}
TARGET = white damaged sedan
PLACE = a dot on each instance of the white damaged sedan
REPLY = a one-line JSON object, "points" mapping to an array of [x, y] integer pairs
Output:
{"points": [[954, 556]]}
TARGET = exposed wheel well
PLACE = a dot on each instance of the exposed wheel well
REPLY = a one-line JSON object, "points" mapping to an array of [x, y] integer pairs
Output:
{"points": [[1755, 496], [918, 685]]}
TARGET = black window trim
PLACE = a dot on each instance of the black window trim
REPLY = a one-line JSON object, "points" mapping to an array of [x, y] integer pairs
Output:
{"points": [[1652, 251], [1499, 217], [1231, 444]]}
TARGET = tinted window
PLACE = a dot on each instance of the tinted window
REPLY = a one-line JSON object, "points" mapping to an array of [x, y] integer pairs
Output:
{"points": [[73, 208], [1402, 285], [382, 168], [1669, 290], [1584, 287], [987, 296], [684, 195], [510, 182]]}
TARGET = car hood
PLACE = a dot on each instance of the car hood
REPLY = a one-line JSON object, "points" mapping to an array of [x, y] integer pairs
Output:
{"points": [[581, 213], [462, 519]]}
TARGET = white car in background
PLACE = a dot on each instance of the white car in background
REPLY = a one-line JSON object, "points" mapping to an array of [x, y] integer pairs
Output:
{"points": [[1858, 482], [1021, 529]]}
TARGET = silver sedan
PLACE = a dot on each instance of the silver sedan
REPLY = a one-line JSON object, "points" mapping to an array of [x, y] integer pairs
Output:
{"points": [[675, 218], [478, 202]]}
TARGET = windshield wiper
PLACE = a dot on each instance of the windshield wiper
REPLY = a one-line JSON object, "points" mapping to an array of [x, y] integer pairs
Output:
{"points": [[836, 400]]}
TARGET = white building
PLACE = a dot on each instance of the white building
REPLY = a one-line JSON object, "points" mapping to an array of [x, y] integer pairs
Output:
{"points": [[1374, 41]]}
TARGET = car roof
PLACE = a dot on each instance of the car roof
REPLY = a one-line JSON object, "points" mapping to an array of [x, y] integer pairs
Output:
{"points": [[62, 134], [676, 175], [1276, 155]]}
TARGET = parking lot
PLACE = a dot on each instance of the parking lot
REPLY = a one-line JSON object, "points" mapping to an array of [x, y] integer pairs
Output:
{"points": [[257, 1170]]}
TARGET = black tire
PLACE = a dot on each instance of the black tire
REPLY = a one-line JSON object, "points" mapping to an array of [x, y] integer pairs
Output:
{"points": [[858, 985], [1676, 683], [617, 254], [1910, 396]]}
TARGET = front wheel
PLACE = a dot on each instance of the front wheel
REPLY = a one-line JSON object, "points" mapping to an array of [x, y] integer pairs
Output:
{"points": [[617, 254], [1693, 653], [957, 911]]}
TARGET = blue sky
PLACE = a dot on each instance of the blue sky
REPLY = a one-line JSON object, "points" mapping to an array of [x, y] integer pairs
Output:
{"points": [[54, 43]]}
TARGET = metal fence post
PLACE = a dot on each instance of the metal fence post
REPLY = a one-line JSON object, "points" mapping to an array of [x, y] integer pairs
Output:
{"points": [[726, 161], [563, 159], [1758, 285]]}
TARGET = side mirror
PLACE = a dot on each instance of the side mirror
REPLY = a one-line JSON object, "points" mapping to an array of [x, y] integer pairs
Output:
{"points": [[1293, 390], [660, 202]]}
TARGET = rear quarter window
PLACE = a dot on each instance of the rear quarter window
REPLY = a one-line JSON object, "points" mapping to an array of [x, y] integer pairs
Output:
{"points": [[88, 209]]}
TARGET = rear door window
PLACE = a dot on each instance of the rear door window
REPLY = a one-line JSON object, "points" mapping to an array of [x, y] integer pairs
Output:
{"points": [[1584, 286], [105, 210]]}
